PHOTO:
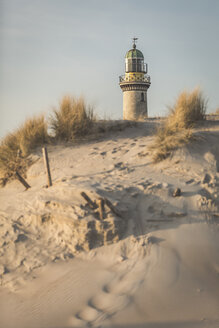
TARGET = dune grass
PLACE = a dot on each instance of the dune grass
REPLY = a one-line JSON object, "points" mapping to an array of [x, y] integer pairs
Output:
{"points": [[176, 131], [15, 147], [31, 134], [72, 120]]}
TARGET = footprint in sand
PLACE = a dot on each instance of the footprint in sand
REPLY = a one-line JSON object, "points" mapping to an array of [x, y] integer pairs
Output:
{"points": [[114, 297], [122, 288], [75, 322], [108, 304], [89, 314], [119, 165], [116, 149], [99, 308]]}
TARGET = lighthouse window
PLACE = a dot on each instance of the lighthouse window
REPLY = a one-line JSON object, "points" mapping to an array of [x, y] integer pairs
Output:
{"points": [[139, 65], [134, 65], [142, 97]]}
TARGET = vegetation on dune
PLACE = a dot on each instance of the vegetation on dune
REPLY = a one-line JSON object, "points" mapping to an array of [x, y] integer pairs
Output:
{"points": [[72, 120], [15, 147], [188, 109], [32, 134], [9, 161], [176, 131], [166, 141]]}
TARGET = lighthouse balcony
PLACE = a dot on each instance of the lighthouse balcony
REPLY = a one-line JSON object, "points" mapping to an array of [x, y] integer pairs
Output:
{"points": [[135, 78]]}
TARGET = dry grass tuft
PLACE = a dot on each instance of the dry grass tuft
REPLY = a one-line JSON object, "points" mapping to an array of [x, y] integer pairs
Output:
{"points": [[15, 147], [166, 141], [177, 129], [188, 109], [72, 120], [33, 133]]}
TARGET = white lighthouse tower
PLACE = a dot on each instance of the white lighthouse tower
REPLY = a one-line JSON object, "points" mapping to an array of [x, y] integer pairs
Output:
{"points": [[134, 85]]}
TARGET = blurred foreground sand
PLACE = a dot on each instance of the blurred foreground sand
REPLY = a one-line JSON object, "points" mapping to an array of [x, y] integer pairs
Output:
{"points": [[157, 266]]}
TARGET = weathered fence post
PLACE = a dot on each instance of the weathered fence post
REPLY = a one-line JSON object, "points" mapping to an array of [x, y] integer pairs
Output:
{"points": [[101, 208], [91, 204], [46, 163], [24, 183], [112, 208]]}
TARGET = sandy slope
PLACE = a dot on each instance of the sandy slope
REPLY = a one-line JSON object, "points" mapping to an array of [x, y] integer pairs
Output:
{"points": [[164, 270]]}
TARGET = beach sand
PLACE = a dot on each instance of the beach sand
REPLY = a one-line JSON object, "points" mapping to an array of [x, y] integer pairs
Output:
{"points": [[154, 264]]}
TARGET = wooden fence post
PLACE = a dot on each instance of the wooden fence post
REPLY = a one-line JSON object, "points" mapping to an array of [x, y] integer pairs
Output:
{"points": [[101, 208], [91, 204], [46, 163], [112, 208], [24, 183]]}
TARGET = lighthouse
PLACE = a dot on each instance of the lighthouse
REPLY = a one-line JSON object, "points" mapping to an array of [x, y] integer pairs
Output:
{"points": [[134, 85]]}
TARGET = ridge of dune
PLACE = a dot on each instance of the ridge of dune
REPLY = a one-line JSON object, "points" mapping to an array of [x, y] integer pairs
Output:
{"points": [[155, 266]]}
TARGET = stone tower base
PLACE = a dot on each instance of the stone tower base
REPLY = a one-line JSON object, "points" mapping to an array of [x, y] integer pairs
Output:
{"points": [[134, 104]]}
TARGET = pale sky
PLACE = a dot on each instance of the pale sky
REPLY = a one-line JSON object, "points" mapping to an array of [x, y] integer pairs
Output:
{"points": [[49, 48]]}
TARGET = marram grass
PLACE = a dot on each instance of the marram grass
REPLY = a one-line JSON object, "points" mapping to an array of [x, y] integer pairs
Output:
{"points": [[72, 120], [177, 128], [16, 146]]}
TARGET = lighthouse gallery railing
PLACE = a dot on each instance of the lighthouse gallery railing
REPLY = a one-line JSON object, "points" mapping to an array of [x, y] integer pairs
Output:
{"points": [[133, 78]]}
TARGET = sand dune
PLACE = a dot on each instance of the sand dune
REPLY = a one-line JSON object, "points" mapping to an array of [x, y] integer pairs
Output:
{"points": [[155, 266]]}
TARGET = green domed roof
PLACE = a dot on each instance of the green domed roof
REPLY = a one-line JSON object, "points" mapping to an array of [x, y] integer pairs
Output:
{"points": [[134, 53]]}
